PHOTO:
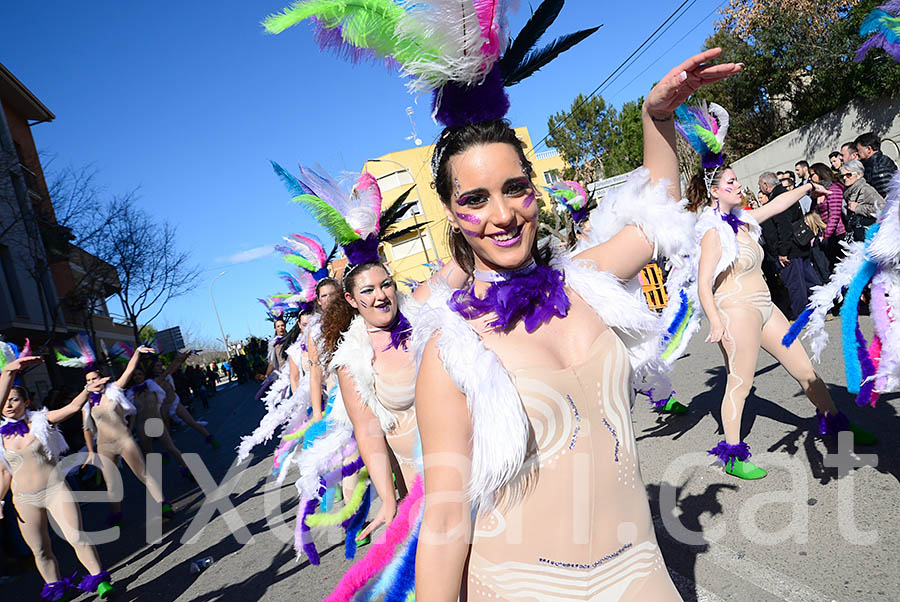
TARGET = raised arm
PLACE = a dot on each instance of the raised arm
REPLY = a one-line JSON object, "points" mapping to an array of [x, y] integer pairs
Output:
{"points": [[8, 375], [445, 429], [784, 200], [122, 382], [74, 406], [710, 253], [373, 450], [626, 252], [176, 363]]}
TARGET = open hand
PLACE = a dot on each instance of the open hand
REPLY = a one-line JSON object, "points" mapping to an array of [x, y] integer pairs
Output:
{"points": [[684, 80], [384, 517], [23, 362], [145, 349], [98, 385], [717, 333]]}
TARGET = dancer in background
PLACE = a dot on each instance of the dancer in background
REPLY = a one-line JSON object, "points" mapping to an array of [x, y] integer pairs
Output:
{"points": [[30, 447], [110, 418], [733, 294], [172, 406]]}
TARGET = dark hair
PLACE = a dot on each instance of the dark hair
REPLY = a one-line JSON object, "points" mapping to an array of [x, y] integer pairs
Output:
{"points": [[802, 163], [22, 392], [851, 144], [869, 139], [454, 141], [276, 320], [290, 338], [833, 154], [326, 282], [697, 193], [339, 313], [790, 174], [826, 178]]}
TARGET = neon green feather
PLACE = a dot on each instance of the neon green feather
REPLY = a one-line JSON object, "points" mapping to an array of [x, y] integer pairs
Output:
{"points": [[328, 217], [369, 24], [60, 357], [322, 519], [299, 261], [709, 139], [679, 334]]}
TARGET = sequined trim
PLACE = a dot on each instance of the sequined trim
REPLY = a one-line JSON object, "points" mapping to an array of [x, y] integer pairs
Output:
{"points": [[577, 419], [615, 436], [595, 564]]}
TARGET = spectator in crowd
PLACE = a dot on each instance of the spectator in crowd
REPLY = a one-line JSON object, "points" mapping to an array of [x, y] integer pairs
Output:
{"points": [[879, 168], [836, 161], [792, 251], [211, 378], [768, 184], [790, 182], [863, 201], [830, 208], [801, 168], [849, 153]]}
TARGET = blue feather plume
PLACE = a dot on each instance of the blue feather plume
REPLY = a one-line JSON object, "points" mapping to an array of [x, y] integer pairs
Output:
{"points": [[405, 581], [679, 317], [294, 186], [797, 327]]}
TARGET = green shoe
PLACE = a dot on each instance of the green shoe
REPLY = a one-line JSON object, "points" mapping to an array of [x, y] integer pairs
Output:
{"points": [[105, 590], [364, 541], [746, 470], [862, 436], [167, 510], [673, 406]]}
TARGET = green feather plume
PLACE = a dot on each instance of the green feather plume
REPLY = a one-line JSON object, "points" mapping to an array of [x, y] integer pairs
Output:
{"points": [[328, 217], [709, 138], [299, 261]]}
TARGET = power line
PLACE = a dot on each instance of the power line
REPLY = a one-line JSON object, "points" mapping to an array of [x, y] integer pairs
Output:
{"points": [[649, 40], [670, 48]]}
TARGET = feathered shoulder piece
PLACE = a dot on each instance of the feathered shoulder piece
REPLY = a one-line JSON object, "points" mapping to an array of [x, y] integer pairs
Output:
{"points": [[882, 25], [571, 196], [704, 127], [353, 218], [77, 352], [457, 49]]}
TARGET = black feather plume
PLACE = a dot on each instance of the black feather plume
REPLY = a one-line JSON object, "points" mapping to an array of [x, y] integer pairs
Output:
{"points": [[403, 232], [537, 25], [538, 58]]}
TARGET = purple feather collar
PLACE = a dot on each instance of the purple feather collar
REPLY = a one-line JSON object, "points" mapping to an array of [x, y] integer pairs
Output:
{"points": [[95, 399], [12, 428], [533, 294], [732, 220], [400, 330]]}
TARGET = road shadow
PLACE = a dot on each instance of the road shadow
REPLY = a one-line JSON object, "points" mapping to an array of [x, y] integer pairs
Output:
{"points": [[679, 555]]}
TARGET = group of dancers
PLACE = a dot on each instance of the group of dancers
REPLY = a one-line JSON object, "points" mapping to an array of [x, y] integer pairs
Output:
{"points": [[499, 392], [141, 400]]}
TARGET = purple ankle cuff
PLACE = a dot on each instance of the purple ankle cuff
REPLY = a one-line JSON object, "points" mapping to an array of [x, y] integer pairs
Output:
{"points": [[729, 453], [91, 582], [832, 425], [55, 591]]}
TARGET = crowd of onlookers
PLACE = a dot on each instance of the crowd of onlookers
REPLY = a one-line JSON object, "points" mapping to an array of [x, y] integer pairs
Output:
{"points": [[803, 244]]}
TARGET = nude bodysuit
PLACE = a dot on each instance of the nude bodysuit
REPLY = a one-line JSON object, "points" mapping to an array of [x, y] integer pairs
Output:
{"points": [[395, 387], [38, 488], [582, 529], [112, 430], [742, 285]]}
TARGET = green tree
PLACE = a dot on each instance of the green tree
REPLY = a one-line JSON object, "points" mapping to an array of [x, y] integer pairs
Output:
{"points": [[582, 135], [798, 65], [148, 333], [626, 148]]}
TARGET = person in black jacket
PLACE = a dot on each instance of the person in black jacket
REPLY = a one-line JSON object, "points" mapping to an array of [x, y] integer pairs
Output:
{"points": [[793, 259], [879, 168]]}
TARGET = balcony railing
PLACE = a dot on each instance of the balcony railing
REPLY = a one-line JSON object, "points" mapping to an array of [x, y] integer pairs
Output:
{"points": [[547, 155]]}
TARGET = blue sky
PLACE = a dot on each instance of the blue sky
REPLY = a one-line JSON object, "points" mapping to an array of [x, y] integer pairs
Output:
{"points": [[187, 101]]}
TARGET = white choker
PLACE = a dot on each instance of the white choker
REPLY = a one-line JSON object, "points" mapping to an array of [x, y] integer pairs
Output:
{"points": [[504, 275]]}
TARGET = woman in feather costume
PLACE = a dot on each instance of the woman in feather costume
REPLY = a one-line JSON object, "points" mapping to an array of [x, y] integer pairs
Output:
{"points": [[287, 402], [726, 282], [526, 375], [30, 447], [109, 417]]}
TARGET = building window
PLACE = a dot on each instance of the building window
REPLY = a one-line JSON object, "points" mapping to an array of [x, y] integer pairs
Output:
{"points": [[12, 282], [551, 176]]}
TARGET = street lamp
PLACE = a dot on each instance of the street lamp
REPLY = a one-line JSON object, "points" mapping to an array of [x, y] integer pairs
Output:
{"points": [[216, 310], [419, 199]]}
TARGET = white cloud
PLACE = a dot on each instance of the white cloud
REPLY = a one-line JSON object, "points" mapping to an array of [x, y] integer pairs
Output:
{"points": [[248, 255]]}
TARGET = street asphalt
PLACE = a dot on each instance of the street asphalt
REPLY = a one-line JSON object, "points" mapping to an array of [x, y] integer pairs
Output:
{"points": [[810, 531]]}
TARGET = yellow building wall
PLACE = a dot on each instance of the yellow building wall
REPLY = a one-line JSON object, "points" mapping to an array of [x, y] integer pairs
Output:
{"points": [[398, 170]]}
